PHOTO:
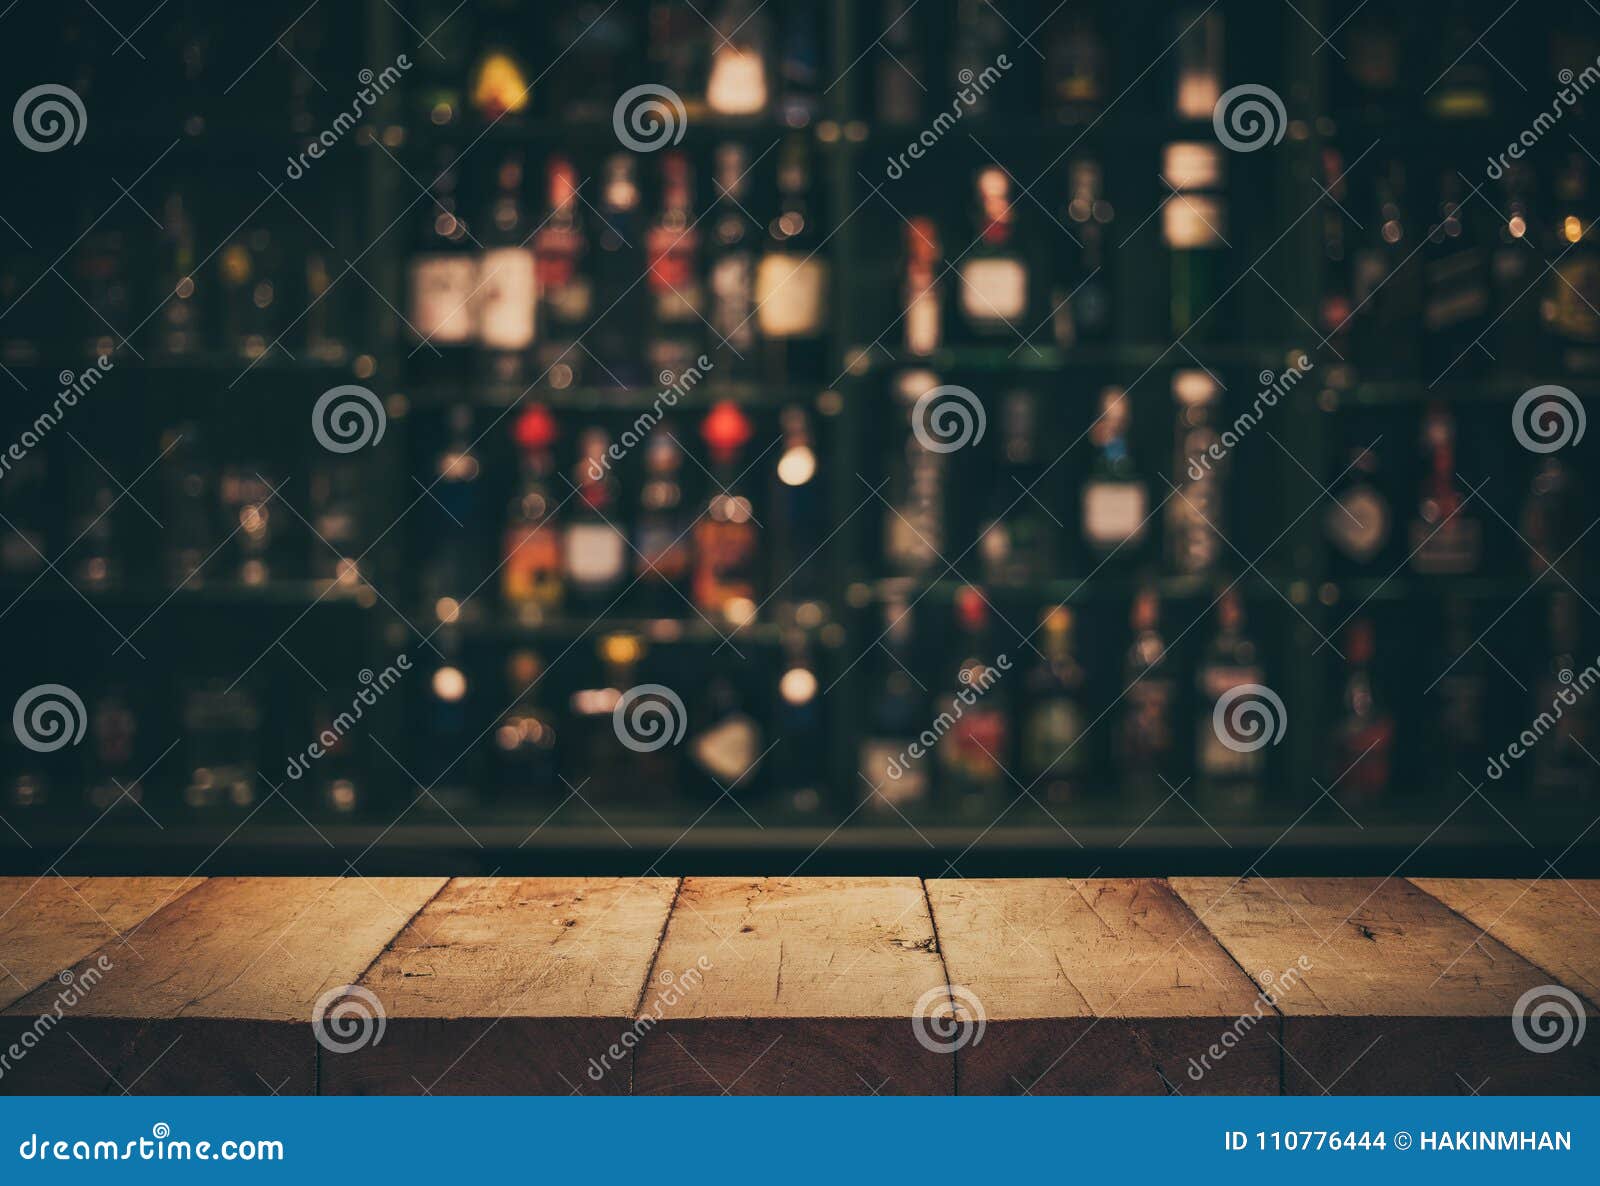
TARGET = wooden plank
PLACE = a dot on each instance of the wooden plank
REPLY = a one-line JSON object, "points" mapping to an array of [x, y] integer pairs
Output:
{"points": [[1551, 922], [793, 985], [49, 923], [215, 992], [1105, 986], [511, 985], [1388, 992]]}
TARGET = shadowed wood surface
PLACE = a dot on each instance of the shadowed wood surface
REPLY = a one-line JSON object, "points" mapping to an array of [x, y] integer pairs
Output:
{"points": [[215, 991], [501, 981], [794, 985], [1539, 920], [752, 985], [1383, 989], [1098, 987]]}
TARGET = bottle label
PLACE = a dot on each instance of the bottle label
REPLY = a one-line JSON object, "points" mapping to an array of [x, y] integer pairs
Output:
{"points": [[1358, 523], [441, 298], [1113, 512], [733, 293], [506, 299], [738, 81], [881, 759], [994, 290], [532, 572], [663, 552], [595, 555], [726, 555], [789, 290]]}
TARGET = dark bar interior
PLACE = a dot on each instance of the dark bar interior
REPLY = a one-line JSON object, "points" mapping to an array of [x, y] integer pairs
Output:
{"points": [[918, 436]]}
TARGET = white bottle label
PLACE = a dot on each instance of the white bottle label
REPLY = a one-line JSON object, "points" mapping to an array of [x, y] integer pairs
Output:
{"points": [[595, 554], [994, 290], [1113, 512], [441, 297], [738, 82], [507, 298], [789, 295]]}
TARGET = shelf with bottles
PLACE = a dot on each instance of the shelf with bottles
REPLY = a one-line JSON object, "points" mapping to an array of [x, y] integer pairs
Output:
{"points": [[1034, 356], [683, 628], [1499, 390], [1118, 587], [334, 593], [671, 394]]}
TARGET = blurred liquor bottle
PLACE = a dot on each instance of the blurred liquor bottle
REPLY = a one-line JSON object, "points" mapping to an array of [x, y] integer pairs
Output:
{"points": [[1081, 291], [1056, 758], [663, 529], [677, 297], [507, 286], [594, 551], [1195, 512], [1572, 288], [1446, 535], [792, 277], [1146, 741], [994, 277], [1115, 502], [731, 269], [1230, 763], [527, 742], [913, 522], [443, 281], [1017, 542], [564, 291], [973, 756], [1362, 741], [531, 576], [727, 551]]}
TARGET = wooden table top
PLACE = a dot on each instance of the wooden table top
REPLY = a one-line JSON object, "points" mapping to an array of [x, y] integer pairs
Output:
{"points": [[883, 985]]}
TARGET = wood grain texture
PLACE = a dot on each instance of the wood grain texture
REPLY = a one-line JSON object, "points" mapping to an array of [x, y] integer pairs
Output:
{"points": [[49, 923], [511, 985], [1389, 992], [215, 992], [785, 985], [1552, 923], [1100, 986]]}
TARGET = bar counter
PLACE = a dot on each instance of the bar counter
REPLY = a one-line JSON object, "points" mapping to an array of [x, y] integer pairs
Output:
{"points": [[797, 985]]}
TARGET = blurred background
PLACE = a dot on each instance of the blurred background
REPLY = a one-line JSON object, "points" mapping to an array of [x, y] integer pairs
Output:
{"points": [[909, 436]]}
